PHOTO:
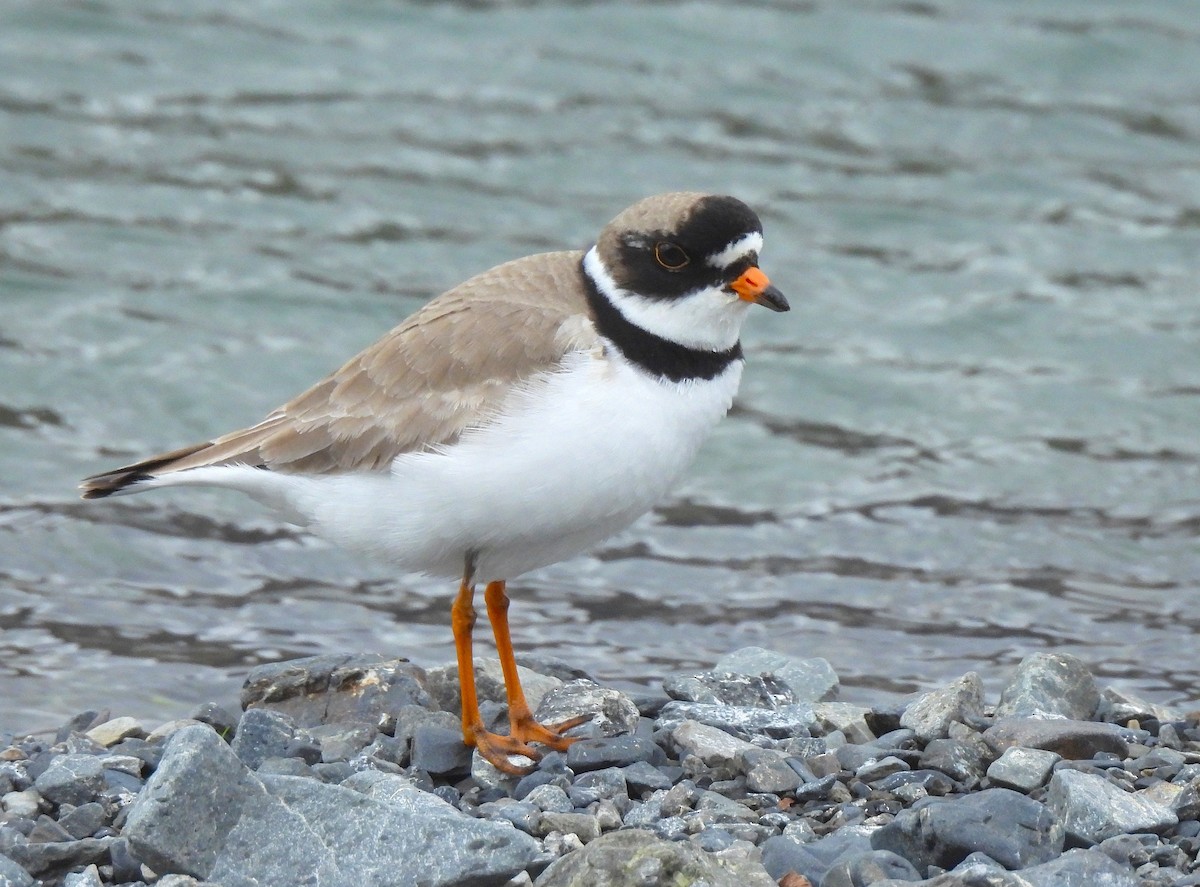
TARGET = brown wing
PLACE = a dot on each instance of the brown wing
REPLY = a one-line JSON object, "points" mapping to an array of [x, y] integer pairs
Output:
{"points": [[446, 368]]}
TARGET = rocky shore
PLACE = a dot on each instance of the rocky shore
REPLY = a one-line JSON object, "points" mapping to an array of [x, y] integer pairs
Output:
{"points": [[350, 771]]}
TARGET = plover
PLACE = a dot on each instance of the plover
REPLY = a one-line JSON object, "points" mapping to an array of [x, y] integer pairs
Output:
{"points": [[513, 421]]}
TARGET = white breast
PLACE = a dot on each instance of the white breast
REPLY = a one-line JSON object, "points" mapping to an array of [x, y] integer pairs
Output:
{"points": [[576, 456]]}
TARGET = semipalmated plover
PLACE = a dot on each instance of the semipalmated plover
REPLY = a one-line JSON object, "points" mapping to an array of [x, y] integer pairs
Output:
{"points": [[513, 421]]}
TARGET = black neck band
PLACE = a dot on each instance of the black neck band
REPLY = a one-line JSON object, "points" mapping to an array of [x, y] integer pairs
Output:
{"points": [[656, 355]]}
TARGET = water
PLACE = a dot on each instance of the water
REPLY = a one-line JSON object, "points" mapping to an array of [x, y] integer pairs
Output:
{"points": [[974, 437]]}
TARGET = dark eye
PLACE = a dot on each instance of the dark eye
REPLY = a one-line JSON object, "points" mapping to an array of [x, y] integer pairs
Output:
{"points": [[670, 255]]}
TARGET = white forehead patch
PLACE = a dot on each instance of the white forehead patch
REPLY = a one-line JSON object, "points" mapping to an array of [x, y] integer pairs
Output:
{"points": [[743, 246]]}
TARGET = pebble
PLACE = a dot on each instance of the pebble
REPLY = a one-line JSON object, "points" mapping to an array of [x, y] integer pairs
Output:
{"points": [[750, 773]]}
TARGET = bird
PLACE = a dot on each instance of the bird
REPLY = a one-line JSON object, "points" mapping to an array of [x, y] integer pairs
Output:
{"points": [[512, 422]]}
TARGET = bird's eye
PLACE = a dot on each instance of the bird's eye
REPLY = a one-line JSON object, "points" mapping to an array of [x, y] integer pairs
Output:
{"points": [[670, 255]]}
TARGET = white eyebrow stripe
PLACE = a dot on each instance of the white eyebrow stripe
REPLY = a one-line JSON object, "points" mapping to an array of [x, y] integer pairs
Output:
{"points": [[747, 243]]}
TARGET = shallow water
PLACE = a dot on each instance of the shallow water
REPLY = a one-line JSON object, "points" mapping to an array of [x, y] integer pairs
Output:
{"points": [[974, 437]]}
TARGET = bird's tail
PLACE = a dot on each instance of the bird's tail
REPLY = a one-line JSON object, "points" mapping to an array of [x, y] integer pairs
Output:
{"points": [[127, 478]]}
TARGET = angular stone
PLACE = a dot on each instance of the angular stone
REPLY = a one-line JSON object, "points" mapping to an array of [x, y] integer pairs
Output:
{"points": [[1074, 740], [1088, 809], [620, 751], [111, 732], [1010, 828], [767, 770], [438, 750], [963, 759], [850, 719], [203, 813], [1079, 868], [582, 825], [636, 856], [810, 680], [71, 779], [38, 859], [869, 868], [337, 689], [641, 776], [714, 747], [1050, 684], [22, 805], [725, 688], [610, 712], [1023, 769], [13, 875], [89, 877], [930, 715], [741, 721], [261, 734], [1120, 706], [782, 853]]}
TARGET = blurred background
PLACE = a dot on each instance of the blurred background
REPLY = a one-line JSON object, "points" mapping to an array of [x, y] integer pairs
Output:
{"points": [[976, 435]]}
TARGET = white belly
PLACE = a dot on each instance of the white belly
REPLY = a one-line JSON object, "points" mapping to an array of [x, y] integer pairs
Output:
{"points": [[577, 457]]}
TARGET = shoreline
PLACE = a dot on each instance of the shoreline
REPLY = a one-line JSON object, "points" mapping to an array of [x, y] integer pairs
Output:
{"points": [[351, 770]]}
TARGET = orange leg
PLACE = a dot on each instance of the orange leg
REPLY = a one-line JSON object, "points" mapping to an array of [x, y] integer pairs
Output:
{"points": [[520, 718], [495, 749]]}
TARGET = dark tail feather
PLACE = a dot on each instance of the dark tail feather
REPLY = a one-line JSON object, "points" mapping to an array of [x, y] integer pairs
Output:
{"points": [[108, 482]]}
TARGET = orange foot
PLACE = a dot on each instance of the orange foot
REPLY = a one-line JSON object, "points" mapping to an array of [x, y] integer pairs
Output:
{"points": [[496, 749]]}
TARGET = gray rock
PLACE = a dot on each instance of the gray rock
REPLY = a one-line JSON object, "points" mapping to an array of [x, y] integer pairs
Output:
{"points": [[714, 747], [846, 718], [740, 721], [550, 799], [642, 776], [203, 813], [869, 868], [768, 770], [261, 734], [965, 760], [1012, 829], [22, 805], [438, 750], [84, 820], [1119, 707], [782, 854], [1079, 868], [930, 715], [111, 732], [620, 751], [1050, 684], [89, 877], [38, 859], [725, 688], [1022, 769], [1074, 740], [71, 779], [638, 857], [611, 712], [13, 875], [337, 689], [810, 680], [599, 784], [1088, 809], [582, 825], [874, 771]]}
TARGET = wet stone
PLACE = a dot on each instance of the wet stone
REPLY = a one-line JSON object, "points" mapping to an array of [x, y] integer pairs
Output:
{"points": [[84, 820], [1074, 740], [597, 784], [582, 825], [869, 868], [13, 875], [113, 731], [741, 721], [965, 760], [642, 776], [713, 746]]}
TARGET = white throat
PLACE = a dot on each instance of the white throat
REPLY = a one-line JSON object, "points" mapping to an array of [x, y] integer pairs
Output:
{"points": [[708, 319]]}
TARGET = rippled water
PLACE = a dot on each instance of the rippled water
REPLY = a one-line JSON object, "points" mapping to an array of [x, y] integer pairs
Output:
{"points": [[974, 437]]}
